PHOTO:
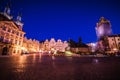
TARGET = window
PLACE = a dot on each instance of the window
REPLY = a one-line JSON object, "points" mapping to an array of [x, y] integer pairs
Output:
{"points": [[11, 40], [1, 38], [21, 35], [4, 28], [19, 43], [7, 40], [9, 30], [13, 31], [17, 33], [16, 42]]}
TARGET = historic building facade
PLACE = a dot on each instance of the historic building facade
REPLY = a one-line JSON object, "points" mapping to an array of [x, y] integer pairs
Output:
{"points": [[30, 46], [52, 45], [11, 33], [107, 42], [110, 44]]}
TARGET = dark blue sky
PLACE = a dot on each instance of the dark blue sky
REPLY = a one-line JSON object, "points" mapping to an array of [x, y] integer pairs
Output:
{"points": [[64, 19]]}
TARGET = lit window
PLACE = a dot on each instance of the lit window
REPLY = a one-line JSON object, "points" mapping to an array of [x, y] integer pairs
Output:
{"points": [[14, 51], [19, 43]]}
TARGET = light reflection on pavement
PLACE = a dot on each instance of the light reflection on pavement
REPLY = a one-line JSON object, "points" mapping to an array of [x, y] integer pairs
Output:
{"points": [[50, 67]]}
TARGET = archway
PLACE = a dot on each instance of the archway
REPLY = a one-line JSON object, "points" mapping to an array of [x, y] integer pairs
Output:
{"points": [[5, 51]]}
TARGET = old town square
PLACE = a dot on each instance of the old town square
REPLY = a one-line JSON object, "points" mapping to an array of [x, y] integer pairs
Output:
{"points": [[59, 40]]}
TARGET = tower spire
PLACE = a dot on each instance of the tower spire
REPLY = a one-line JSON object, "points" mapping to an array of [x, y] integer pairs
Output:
{"points": [[19, 17], [7, 9], [103, 28], [18, 21], [7, 12]]}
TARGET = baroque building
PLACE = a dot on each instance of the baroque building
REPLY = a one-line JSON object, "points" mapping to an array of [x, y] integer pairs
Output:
{"points": [[52, 45], [110, 44], [30, 46], [11, 33], [107, 42]]}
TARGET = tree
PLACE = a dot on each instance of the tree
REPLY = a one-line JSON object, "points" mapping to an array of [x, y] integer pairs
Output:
{"points": [[72, 43]]}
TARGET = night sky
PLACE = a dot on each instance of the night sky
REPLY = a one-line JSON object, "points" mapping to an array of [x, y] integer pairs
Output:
{"points": [[64, 19]]}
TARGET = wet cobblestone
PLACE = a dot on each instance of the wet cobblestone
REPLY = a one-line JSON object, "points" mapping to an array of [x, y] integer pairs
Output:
{"points": [[45, 67]]}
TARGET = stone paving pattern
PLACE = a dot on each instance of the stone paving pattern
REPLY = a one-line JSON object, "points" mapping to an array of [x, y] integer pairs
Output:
{"points": [[45, 67]]}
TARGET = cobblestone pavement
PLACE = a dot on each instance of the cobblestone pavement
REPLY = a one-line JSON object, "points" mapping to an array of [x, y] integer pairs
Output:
{"points": [[45, 67]]}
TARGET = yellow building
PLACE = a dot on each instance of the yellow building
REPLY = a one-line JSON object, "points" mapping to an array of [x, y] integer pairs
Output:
{"points": [[11, 33], [30, 46]]}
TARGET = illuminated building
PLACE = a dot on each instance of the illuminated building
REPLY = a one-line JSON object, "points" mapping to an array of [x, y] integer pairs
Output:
{"points": [[111, 44], [53, 45], [11, 33], [103, 28], [107, 42], [30, 46], [92, 47], [61, 46], [46, 46]]}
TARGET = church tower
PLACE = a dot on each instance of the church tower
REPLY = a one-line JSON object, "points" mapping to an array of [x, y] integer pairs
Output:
{"points": [[18, 21], [7, 12], [103, 28]]}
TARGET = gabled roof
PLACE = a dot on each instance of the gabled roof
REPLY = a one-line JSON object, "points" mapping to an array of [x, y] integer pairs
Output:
{"points": [[4, 18]]}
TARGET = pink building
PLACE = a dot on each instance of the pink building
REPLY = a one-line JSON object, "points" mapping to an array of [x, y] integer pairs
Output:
{"points": [[53, 45]]}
